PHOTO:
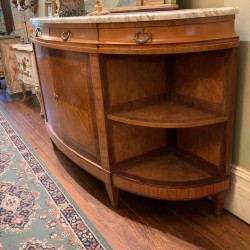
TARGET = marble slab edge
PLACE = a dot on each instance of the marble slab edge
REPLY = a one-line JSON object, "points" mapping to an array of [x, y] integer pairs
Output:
{"points": [[23, 47], [141, 16]]}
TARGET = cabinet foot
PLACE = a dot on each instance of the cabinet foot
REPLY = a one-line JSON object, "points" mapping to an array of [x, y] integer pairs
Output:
{"points": [[113, 195], [218, 202], [40, 100], [23, 89]]}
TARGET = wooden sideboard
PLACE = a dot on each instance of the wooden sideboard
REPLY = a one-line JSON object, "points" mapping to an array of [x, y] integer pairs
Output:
{"points": [[145, 106]]}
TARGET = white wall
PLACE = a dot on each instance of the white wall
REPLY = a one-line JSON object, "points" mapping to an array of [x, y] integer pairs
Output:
{"points": [[241, 156], [241, 150], [243, 19]]}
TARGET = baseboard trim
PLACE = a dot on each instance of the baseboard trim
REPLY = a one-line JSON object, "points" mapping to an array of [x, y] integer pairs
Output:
{"points": [[238, 198]]}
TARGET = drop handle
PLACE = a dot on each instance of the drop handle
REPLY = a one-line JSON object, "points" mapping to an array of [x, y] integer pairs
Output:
{"points": [[56, 96], [38, 32], [65, 36], [142, 37]]}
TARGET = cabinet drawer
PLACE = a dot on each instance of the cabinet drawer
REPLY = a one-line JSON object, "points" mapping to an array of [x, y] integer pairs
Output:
{"points": [[75, 35], [61, 33], [164, 33]]}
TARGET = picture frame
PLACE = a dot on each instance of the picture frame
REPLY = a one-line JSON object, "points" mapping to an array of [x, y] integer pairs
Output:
{"points": [[50, 8], [144, 5], [71, 8]]}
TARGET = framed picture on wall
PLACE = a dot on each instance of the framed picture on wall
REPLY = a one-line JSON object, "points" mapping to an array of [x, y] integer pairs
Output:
{"points": [[71, 8], [50, 8], [141, 5]]}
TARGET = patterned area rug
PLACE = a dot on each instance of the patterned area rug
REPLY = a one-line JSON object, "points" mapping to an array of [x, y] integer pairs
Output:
{"points": [[35, 211]]}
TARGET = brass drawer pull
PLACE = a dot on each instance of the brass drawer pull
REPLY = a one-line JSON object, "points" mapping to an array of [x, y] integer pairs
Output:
{"points": [[38, 32], [65, 36], [140, 34]]}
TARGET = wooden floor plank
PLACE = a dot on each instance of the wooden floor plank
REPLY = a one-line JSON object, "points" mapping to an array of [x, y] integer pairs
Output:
{"points": [[159, 216], [210, 226], [51, 160], [138, 223]]}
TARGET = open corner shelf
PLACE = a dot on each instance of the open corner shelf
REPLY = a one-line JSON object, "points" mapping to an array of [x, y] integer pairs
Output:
{"points": [[168, 114], [168, 175]]}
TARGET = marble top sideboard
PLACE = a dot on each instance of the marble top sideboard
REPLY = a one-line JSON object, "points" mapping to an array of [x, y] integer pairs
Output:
{"points": [[141, 16], [125, 94]]}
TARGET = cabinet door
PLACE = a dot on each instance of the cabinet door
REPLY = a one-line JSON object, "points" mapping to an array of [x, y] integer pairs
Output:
{"points": [[46, 77], [68, 81]]}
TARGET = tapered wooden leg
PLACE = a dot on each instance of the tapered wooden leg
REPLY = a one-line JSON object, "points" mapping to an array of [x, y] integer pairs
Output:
{"points": [[40, 100], [113, 195], [23, 89], [218, 202]]}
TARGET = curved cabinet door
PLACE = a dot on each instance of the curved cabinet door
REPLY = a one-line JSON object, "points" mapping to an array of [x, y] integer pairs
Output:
{"points": [[68, 97], [46, 74]]}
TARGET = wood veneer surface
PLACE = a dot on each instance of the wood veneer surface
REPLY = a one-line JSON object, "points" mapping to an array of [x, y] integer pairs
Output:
{"points": [[165, 168], [168, 114]]}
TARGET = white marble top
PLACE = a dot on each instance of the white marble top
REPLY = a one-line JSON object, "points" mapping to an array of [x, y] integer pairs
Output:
{"points": [[141, 16], [24, 47]]}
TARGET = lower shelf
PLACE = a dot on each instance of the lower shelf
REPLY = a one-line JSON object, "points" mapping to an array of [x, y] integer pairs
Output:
{"points": [[169, 176]]}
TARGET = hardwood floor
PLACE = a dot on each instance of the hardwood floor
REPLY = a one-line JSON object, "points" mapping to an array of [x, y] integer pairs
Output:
{"points": [[138, 223]]}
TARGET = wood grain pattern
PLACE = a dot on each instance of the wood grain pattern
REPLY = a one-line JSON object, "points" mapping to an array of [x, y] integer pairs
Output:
{"points": [[205, 142], [218, 202], [198, 74], [230, 97], [169, 34], [83, 35], [48, 90], [70, 92], [141, 76], [80, 160], [77, 120], [172, 193], [130, 141], [100, 112], [168, 115], [173, 36], [165, 168]]}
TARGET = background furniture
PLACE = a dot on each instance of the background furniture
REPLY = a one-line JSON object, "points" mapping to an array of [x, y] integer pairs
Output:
{"points": [[145, 106], [6, 18], [50, 8], [27, 72], [9, 63]]}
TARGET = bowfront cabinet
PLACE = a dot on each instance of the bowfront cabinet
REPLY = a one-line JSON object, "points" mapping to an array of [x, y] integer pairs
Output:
{"points": [[68, 97], [145, 106], [27, 71]]}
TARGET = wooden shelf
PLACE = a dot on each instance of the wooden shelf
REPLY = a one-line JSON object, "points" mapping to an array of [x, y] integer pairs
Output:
{"points": [[168, 114], [169, 176]]}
